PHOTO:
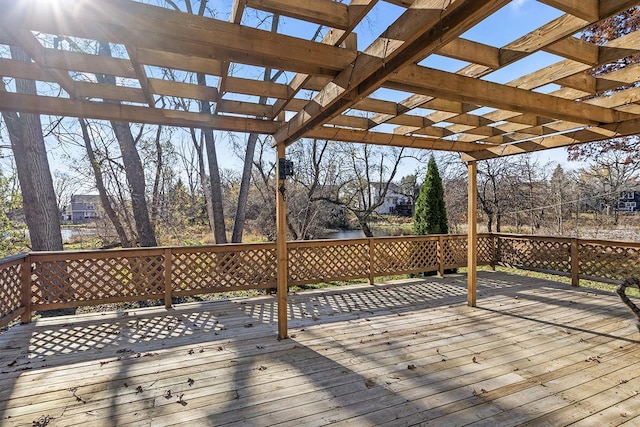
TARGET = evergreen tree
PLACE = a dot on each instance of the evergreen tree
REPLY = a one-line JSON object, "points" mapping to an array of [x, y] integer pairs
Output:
{"points": [[431, 214]]}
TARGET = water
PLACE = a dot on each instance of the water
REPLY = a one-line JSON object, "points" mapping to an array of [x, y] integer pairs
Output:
{"points": [[345, 234], [71, 232]]}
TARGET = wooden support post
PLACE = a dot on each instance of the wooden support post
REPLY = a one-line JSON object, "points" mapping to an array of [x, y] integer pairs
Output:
{"points": [[472, 233], [281, 248], [25, 289], [494, 251], [441, 256], [167, 278], [371, 261], [575, 262]]}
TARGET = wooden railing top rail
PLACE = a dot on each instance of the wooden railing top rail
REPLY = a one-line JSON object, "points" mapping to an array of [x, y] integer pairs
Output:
{"points": [[143, 251], [12, 260], [619, 243], [98, 253]]}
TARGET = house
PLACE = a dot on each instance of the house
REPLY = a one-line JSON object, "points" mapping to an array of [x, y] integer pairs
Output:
{"points": [[395, 201], [629, 201], [81, 208]]}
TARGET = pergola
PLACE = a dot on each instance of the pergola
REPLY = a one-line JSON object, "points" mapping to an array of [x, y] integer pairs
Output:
{"points": [[330, 90]]}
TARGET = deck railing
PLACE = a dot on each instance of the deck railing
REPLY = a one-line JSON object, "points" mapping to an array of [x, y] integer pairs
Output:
{"points": [[53, 280], [599, 260]]}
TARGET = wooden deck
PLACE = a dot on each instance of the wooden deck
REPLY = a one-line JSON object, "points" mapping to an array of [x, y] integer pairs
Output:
{"points": [[393, 354]]}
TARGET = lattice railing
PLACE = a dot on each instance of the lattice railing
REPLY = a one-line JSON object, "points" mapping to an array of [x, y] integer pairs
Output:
{"points": [[405, 255], [613, 261], [197, 270], [536, 253], [324, 261], [69, 280], [455, 252], [486, 249], [10, 288]]}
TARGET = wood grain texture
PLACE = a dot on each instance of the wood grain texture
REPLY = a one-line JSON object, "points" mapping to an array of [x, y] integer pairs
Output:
{"points": [[391, 354]]}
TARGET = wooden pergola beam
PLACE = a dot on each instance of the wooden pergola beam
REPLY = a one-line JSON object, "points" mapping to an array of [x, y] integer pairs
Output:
{"points": [[324, 12], [417, 32], [358, 9], [589, 10], [466, 89], [145, 27], [579, 136], [379, 138], [130, 113]]}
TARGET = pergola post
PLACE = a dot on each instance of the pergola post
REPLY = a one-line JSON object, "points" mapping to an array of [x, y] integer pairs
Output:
{"points": [[281, 247], [472, 233]]}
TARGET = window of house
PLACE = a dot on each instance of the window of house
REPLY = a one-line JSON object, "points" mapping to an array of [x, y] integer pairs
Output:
{"points": [[627, 195]]}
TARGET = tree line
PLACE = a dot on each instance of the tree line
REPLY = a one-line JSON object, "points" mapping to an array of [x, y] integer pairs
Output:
{"points": [[155, 180]]}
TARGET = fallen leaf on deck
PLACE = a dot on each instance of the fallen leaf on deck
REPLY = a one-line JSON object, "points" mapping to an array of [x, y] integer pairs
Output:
{"points": [[190, 381], [411, 367], [369, 383], [44, 420], [181, 401]]}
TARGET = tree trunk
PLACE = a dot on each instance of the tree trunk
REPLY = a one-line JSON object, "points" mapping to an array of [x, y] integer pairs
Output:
{"points": [[135, 178], [133, 168], [364, 226], [245, 184], [219, 228], [39, 199], [155, 199], [102, 191], [206, 185], [241, 210]]}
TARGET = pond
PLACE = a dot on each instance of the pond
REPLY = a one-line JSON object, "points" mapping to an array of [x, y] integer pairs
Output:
{"points": [[344, 234]]}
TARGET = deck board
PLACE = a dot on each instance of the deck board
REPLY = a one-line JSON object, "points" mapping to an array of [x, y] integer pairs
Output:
{"points": [[393, 354]]}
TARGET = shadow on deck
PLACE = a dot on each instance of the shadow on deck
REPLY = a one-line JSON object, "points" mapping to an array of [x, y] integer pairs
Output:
{"points": [[400, 353]]}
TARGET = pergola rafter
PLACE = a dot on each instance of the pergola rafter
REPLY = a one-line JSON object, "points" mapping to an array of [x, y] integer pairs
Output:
{"points": [[331, 89]]}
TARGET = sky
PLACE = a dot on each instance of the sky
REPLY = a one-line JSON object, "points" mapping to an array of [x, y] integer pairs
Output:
{"points": [[512, 21]]}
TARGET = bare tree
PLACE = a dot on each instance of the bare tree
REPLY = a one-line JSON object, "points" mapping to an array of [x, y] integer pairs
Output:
{"points": [[105, 199], [133, 167], [39, 198], [364, 175], [494, 193], [532, 185], [614, 172]]}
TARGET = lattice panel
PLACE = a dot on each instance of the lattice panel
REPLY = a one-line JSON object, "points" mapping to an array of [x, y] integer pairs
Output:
{"points": [[87, 279], [223, 271], [455, 252], [310, 263], [485, 250], [535, 254], [609, 262], [393, 257], [9, 288]]}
